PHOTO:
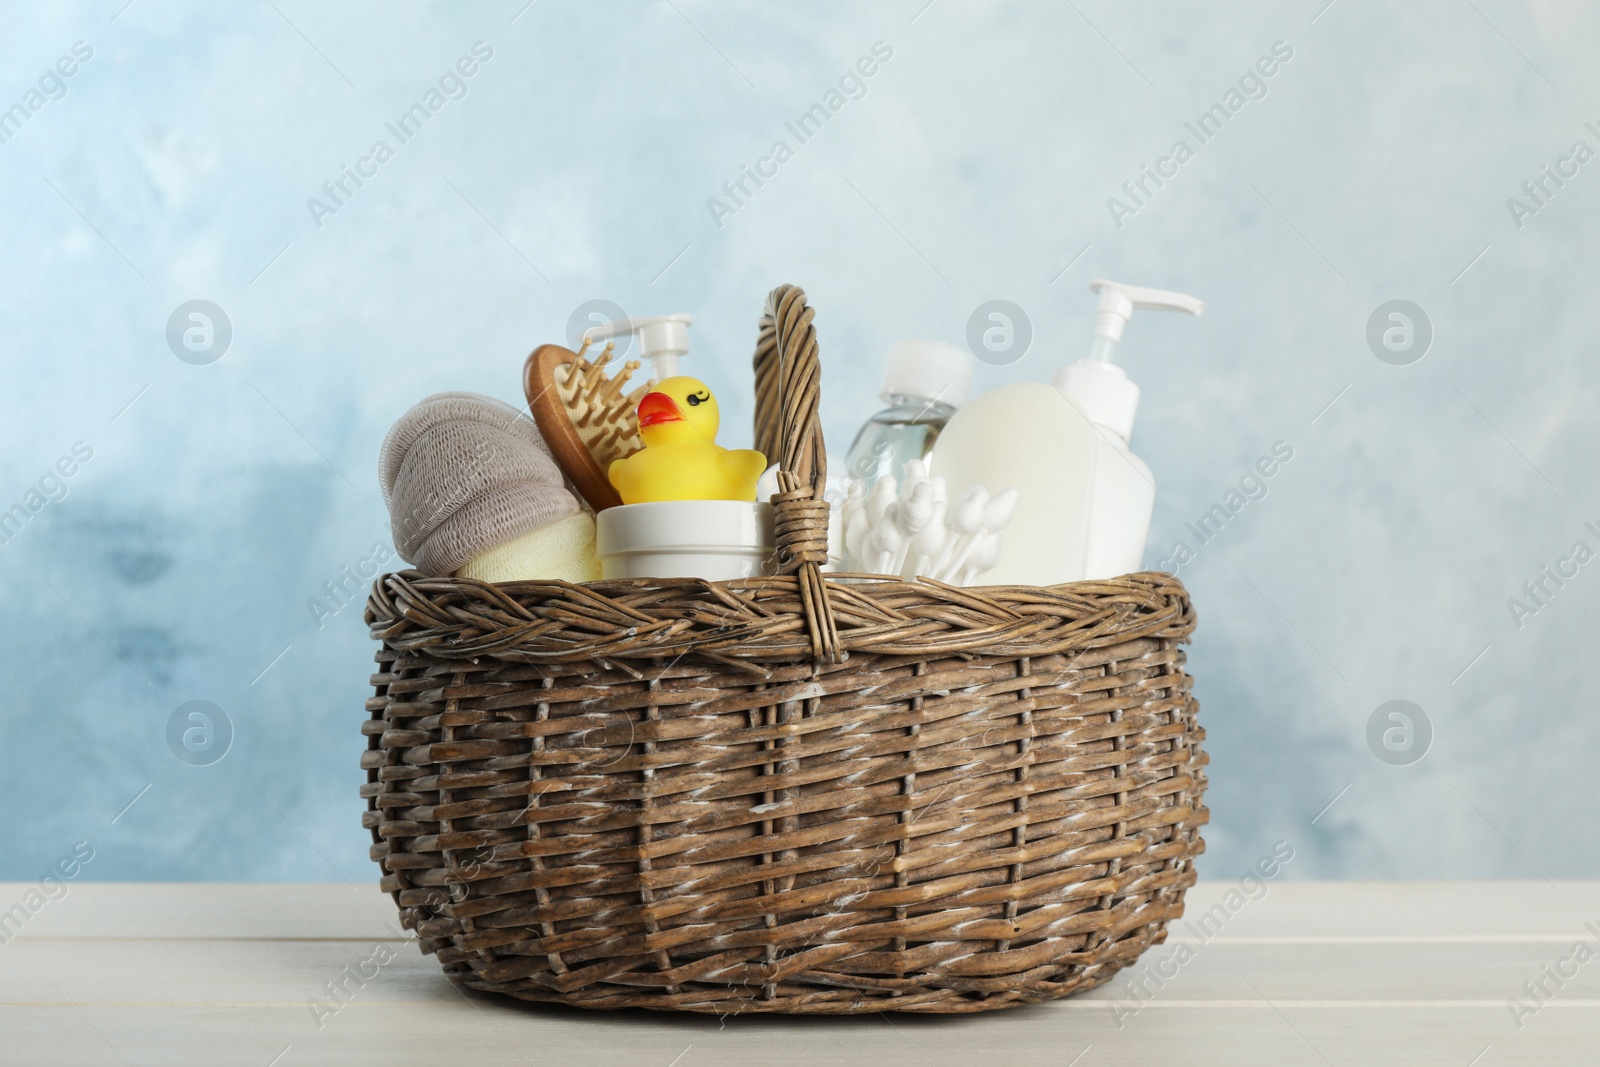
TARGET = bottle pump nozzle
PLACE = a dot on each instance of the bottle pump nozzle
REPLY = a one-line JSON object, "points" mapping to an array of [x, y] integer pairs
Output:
{"points": [[662, 339], [1117, 304], [1099, 386]]}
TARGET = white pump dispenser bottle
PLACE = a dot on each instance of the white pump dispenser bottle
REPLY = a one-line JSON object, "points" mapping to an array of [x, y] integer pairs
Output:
{"points": [[662, 339], [1124, 491], [1084, 509]]}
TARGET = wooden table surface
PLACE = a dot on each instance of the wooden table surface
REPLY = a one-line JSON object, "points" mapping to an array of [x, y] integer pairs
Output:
{"points": [[1309, 973]]}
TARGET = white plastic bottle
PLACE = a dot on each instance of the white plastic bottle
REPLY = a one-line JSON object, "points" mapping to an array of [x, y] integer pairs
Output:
{"points": [[1031, 437], [1085, 504], [1124, 489]]}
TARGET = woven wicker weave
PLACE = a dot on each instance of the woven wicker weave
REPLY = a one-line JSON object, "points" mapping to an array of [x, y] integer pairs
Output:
{"points": [[789, 794]]}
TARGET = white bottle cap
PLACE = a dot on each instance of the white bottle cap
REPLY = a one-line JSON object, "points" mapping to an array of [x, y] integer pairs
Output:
{"points": [[662, 339], [928, 370], [1103, 392]]}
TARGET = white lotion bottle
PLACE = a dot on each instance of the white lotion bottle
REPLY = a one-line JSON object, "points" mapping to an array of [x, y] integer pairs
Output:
{"points": [[1085, 504], [1124, 491], [1031, 437]]}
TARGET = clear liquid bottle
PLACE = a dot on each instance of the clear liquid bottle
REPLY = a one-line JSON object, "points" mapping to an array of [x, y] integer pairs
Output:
{"points": [[924, 383]]}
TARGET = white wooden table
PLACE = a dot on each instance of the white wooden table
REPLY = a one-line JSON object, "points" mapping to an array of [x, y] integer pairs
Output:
{"points": [[1311, 973]]}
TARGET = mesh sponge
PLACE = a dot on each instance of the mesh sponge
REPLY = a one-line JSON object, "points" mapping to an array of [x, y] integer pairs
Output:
{"points": [[462, 473]]}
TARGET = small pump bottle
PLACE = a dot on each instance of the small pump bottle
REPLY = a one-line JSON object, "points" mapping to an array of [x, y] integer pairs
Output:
{"points": [[662, 339], [1124, 489], [924, 383]]}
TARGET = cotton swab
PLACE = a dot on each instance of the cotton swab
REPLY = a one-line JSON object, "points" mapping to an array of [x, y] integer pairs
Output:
{"points": [[927, 544], [853, 514], [914, 515], [886, 540], [984, 555], [996, 514], [883, 494], [966, 520]]}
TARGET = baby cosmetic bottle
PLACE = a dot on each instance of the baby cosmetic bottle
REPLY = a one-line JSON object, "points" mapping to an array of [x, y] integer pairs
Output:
{"points": [[1124, 490], [1085, 503], [924, 383]]}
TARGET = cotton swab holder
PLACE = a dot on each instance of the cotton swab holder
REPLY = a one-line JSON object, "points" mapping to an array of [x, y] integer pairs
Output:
{"points": [[910, 528]]}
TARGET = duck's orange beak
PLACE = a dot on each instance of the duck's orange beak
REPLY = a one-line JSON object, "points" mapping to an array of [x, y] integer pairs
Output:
{"points": [[657, 408]]}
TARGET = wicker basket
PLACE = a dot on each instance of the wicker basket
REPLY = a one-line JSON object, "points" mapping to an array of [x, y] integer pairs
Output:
{"points": [[789, 794]]}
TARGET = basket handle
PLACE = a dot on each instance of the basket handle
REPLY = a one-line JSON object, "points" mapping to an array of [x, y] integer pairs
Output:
{"points": [[788, 389]]}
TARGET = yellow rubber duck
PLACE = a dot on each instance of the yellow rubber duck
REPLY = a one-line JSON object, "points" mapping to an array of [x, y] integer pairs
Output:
{"points": [[681, 460]]}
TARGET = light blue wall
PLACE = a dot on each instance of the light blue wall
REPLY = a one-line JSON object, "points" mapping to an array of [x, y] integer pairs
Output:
{"points": [[977, 165]]}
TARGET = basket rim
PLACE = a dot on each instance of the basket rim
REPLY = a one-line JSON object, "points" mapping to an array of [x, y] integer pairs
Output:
{"points": [[751, 621]]}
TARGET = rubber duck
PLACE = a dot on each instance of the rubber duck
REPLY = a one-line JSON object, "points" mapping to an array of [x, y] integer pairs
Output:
{"points": [[681, 460]]}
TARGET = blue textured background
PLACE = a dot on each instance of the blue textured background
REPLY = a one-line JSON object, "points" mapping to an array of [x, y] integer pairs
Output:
{"points": [[977, 165]]}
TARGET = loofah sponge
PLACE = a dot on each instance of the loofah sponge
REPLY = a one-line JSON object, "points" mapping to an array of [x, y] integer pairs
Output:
{"points": [[563, 550], [463, 473]]}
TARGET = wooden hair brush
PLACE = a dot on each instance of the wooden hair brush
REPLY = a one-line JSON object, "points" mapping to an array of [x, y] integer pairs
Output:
{"points": [[584, 415]]}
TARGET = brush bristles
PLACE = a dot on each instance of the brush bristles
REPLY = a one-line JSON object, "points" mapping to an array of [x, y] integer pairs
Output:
{"points": [[605, 417]]}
